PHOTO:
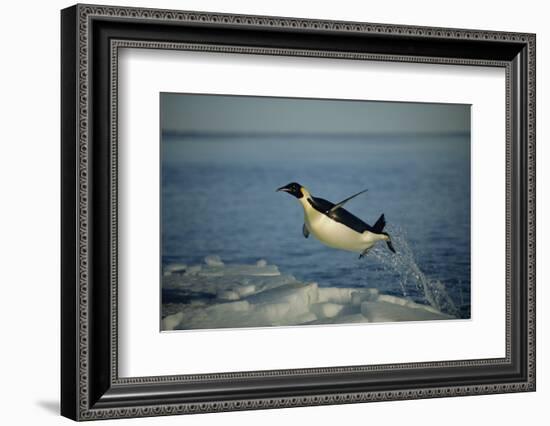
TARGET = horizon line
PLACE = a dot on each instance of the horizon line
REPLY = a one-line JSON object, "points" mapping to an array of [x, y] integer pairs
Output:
{"points": [[324, 135]]}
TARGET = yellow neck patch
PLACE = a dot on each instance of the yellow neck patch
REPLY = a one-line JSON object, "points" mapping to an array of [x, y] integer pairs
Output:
{"points": [[305, 192]]}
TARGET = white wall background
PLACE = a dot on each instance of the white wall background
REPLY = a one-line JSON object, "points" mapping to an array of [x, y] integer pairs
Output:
{"points": [[29, 211]]}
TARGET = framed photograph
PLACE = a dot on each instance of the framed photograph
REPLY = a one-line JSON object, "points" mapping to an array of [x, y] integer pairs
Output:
{"points": [[263, 212], [403, 150]]}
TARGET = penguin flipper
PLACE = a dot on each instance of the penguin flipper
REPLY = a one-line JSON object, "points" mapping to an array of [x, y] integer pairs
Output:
{"points": [[341, 203], [305, 231]]}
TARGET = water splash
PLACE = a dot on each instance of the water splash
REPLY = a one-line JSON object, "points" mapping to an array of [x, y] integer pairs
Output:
{"points": [[404, 265]]}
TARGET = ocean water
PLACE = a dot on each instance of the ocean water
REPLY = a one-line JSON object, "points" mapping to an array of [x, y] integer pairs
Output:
{"points": [[218, 198]]}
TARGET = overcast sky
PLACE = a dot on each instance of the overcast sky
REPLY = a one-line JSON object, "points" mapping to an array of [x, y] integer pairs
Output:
{"points": [[188, 113]]}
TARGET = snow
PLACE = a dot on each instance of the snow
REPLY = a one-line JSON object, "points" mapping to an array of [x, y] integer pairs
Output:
{"points": [[172, 321], [175, 268], [381, 311], [228, 295], [336, 295], [217, 295], [357, 297], [213, 261], [327, 310]]}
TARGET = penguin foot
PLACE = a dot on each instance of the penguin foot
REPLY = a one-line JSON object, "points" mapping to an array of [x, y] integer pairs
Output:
{"points": [[364, 253]]}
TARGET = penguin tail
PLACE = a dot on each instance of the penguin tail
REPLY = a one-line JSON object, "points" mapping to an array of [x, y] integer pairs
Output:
{"points": [[379, 225], [378, 228]]}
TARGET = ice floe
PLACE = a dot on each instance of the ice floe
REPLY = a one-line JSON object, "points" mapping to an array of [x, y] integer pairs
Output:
{"points": [[218, 295]]}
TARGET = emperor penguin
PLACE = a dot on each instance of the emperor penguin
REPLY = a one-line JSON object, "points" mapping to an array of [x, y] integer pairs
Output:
{"points": [[334, 226]]}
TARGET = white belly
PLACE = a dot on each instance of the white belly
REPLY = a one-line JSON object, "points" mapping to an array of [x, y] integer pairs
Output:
{"points": [[337, 235]]}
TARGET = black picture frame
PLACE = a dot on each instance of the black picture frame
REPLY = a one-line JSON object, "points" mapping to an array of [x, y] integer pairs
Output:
{"points": [[90, 386]]}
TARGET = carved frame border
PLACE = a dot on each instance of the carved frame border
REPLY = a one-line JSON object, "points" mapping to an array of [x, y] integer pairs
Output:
{"points": [[85, 13]]}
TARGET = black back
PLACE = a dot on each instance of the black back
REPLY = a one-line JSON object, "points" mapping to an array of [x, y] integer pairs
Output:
{"points": [[340, 215]]}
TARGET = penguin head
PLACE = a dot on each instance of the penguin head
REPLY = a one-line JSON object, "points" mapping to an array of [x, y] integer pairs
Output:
{"points": [[293, 188]]}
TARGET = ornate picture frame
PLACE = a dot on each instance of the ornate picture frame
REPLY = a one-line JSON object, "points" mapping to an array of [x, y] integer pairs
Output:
{"points": [[91, 37]]}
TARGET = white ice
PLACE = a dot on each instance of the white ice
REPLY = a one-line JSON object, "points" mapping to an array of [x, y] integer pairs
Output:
{"points": [[217, 295]]}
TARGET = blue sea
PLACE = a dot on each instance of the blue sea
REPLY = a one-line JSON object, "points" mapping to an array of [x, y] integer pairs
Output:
{"points": [[218, 198]]}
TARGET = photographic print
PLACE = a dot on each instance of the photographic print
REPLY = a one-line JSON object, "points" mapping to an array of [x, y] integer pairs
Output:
{"points": [[292, 211]]}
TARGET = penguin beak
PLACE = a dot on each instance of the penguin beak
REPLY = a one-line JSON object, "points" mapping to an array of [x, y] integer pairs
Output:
{"points": [[283, 188]]}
